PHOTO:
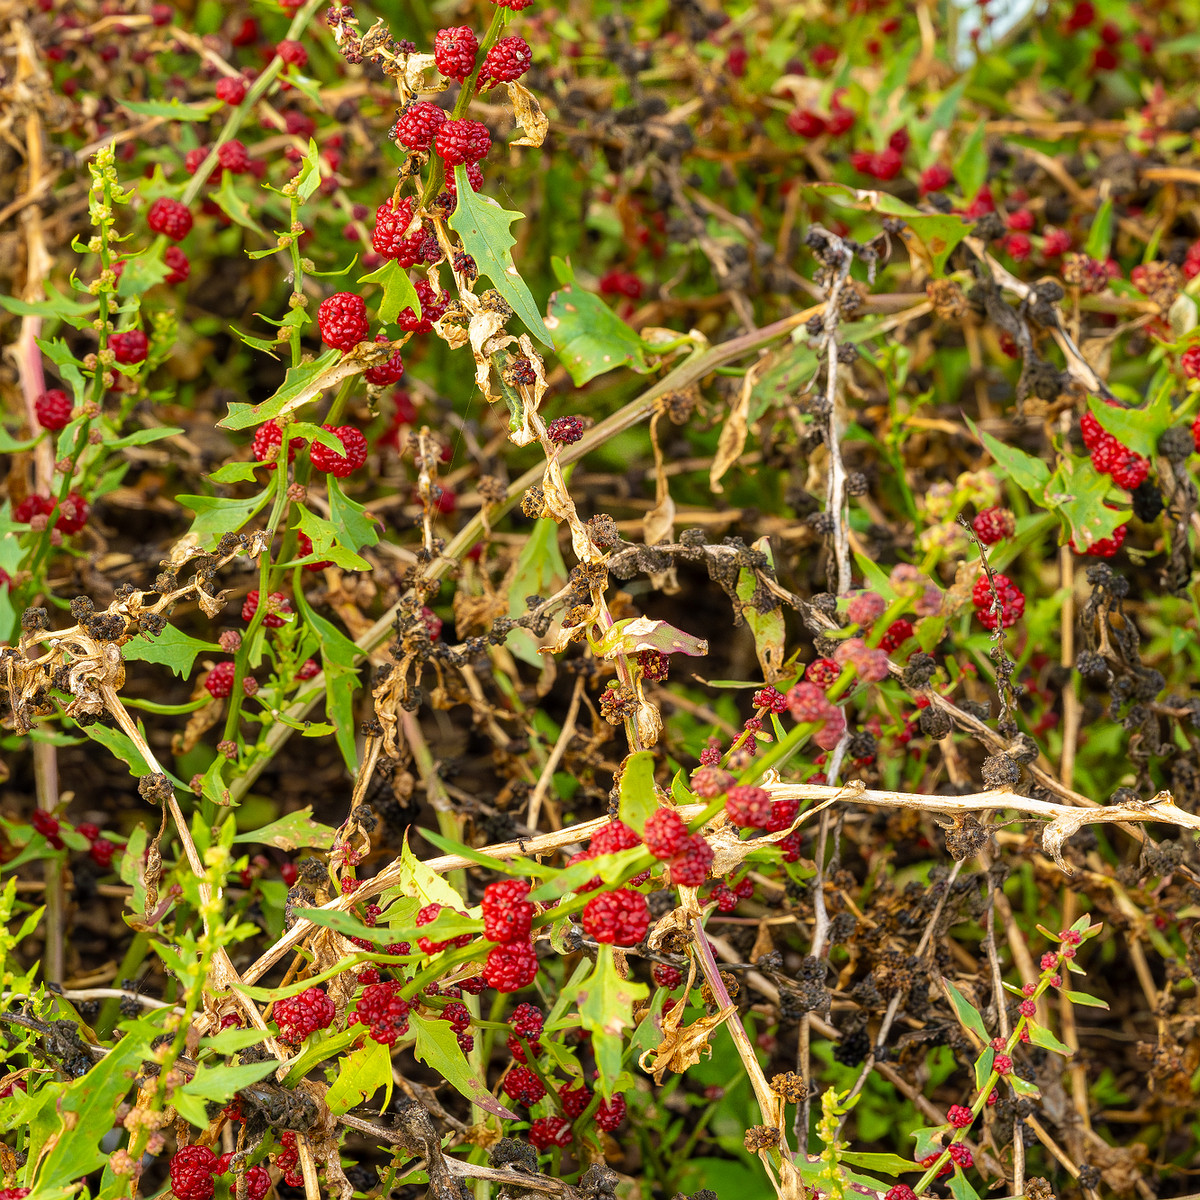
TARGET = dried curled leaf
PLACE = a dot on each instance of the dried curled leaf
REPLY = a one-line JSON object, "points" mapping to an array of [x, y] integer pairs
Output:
{"points": [[644, 633], [529, 116], [421, 74], [682, 1046]]}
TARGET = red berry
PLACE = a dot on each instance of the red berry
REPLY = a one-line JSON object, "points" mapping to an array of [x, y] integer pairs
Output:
{"points": [[507, 60], [1018, 246], [302, 1015], [565, 431], [417, 124], [770, 699], [901, 1191], [690, 868], [178, 262], [934, 178], [53, 409], [613, 838], [268, 437], [73, 514], [1130, 471], [387, 372], [898, 632], [610, 1113], [783, 813], [272, 620], [545, 1131], [823, 672], [130, 346], [959, 1117], [1002, 1064], [342, 319], [993, 524], [292, 53], [962, 1155], [388, 237], [865, 608], [220, 680], [523, 1086], [354, 445], [32, 506], [749, 807], [454, 51], [1020, 221], [233, 157], [575, 1100], [192, 1173], [170, 217], [474, 177], [462, 141], [45, 823], [1055, 241], [619, 918], [665, 834], [506, 913], [384, 1011], [528, 1021], [805, 123], [666, 976], [432, 308], [231, 89], [1104, 547], [1190, 361], [1012, 601], [808, 703], [88, 830], [512, 967]]}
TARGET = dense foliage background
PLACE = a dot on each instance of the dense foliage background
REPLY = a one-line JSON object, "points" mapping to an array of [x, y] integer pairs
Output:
{"points": [[599, 600]]}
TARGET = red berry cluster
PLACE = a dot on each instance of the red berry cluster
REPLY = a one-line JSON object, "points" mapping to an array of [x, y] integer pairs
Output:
{"points": [[522, 1086], [384, 1011], [53, 409], [808, 704], [619, 918], [191, 1171], [288, 1159], [170, 217], [1127, 468], [72, 514], [993, 524], [302, 1015], [507, 915], [279, 603], [426, 916], [1012, 601], [342, 320], [454, 51], [547, 1132], [354, 451]]}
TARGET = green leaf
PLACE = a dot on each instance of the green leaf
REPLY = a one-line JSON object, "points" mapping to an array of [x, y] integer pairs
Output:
{"points": [[960, 1189], [309, 178], [1100, 235], [639, 797], [398, 291], [228, 1041], [966, 1012], [1039, 1035], [143, 437], [970, 167], [437, 1046], [589, 336], [886, 1164], [540, 571], [81, 1113], [483, 227], [1029, 474], [983, 1066], [235, 472], [173, 110], [929, 1141], [324, 537], [292, 832], [266, 345], [359, 530], [416, 879], [606, 1010], [1022, 1087], [171, 648], [1077, 491], [1084, 999], [939, 235], [10, 445], [234, 206], [222, 1082], [299, 385], [338, 655], [1137, 428], [360, 1074], [214, 515], [767, 627], [347, 925], [56, 305], [141, 273]]}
